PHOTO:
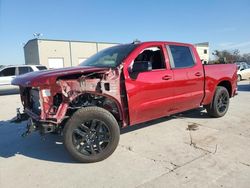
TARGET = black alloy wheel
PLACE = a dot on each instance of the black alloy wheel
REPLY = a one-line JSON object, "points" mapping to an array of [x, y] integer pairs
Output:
{"points": [[220, 103], [91, 134], [91, 137]]}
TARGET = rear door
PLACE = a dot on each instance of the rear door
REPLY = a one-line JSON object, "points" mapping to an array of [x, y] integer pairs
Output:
{"points": [[188, 77]]}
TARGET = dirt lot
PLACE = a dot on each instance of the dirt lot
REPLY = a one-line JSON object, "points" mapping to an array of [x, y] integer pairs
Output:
{"points": [[186, 150]]}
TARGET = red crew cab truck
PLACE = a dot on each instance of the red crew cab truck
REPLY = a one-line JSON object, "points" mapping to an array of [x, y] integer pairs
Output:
{"points": [[122, 86]]}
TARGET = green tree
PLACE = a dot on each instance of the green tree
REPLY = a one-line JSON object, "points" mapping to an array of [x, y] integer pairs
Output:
{"points": [[226, 56], [245, 57]]}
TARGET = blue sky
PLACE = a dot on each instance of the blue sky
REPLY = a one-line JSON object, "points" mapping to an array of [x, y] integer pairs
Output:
{"points": [[225, 24]]}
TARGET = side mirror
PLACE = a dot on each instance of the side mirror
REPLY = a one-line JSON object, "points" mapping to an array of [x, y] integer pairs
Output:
{"points": [[141, 66], [242, 69]]}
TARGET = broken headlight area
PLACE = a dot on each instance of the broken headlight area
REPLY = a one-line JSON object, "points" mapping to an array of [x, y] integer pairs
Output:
{"points": [[34, 101], [39, 104], [30, 98]]}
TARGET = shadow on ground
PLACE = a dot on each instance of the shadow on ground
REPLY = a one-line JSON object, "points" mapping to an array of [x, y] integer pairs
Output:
{"points": [[196, 113], [50, 147]]}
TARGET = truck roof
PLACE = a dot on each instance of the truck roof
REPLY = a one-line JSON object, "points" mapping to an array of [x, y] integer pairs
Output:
{"points": [[164, 42]]}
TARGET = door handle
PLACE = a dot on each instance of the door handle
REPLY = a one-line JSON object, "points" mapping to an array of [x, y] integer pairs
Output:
{"points": [[166, 77], [197, 74]]}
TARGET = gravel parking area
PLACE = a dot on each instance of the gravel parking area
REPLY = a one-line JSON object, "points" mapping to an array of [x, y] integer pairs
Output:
{"points": [[185, 150]]}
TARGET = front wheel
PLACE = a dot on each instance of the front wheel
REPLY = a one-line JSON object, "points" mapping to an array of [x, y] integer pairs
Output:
{"points": [[219, 106], [91, 134]]}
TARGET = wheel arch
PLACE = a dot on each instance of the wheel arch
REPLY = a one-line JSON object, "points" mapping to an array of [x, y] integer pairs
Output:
{"points": [[227, 84], [239, 74], [119, 115]]}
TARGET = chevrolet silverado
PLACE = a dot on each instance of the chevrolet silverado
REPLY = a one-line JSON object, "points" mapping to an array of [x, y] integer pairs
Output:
{"points": [[122, 86]]}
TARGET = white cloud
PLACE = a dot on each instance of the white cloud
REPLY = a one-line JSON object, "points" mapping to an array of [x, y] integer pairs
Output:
{"points": [[225, 44]]}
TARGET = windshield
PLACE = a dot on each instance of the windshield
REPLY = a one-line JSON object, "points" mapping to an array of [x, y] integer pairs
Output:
{"points": [[110, 57]]}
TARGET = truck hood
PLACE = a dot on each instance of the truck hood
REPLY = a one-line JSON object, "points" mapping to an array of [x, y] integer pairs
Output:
{"points": [[48, 77]]}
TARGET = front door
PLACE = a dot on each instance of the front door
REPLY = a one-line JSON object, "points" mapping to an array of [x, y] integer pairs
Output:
{"points": [[7, 75], [150, 92]]}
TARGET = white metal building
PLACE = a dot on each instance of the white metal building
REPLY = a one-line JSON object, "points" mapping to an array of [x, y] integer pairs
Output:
{"points": [[66, 53], [203, 51], [60, 53]]}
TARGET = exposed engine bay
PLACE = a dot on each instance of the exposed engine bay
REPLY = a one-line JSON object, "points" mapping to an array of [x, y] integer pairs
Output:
{"points": [[49, 107]]}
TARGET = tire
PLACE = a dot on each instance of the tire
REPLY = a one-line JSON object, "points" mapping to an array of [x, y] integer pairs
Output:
{"points": [[220, 103], [91, 134], [239, 78]]}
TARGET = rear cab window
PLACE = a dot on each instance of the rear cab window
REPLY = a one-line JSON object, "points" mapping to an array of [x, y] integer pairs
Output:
{"points": [[180, 56], [24, 70], [41, 67]]}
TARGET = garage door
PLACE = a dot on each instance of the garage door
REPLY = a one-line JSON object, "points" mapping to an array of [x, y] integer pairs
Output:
{"points": [[80, 60], [55, 63]]}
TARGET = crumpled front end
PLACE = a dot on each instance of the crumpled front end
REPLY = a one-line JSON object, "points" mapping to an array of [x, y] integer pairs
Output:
{"points": [[49, 105], [39, 108]]}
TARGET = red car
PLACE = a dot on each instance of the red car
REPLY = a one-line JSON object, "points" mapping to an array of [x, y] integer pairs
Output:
{"points": [[122, 86]]}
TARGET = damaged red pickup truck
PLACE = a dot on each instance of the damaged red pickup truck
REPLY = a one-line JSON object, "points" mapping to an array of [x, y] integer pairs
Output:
{"points": [[122, 86]]}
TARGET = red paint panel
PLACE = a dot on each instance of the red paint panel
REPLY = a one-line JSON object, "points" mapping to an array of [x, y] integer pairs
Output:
{"points": [[149, 96]]}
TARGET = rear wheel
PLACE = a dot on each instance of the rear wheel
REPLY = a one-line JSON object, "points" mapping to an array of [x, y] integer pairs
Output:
{"points": [[239, 78], [219, 106], [91, 134]]}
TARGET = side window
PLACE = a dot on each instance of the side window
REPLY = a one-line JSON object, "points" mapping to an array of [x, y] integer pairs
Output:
{"points": [[41, 67], [154, 56], [8, 72], [23, 70], [181, 56]]}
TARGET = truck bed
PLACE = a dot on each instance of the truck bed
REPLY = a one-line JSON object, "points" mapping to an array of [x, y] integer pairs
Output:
{"points": [[216, 73]]}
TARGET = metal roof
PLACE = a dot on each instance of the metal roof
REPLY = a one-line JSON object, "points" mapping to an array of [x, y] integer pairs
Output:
{"points": [[57, 40], [202, 44]]}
